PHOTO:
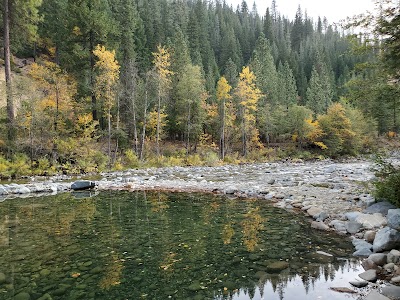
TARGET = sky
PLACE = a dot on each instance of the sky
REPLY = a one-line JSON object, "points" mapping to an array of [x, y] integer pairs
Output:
{"points": [[334, 10]]}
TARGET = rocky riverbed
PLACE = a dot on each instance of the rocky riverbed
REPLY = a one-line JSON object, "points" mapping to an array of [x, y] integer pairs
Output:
{"points": [[334, 195]]}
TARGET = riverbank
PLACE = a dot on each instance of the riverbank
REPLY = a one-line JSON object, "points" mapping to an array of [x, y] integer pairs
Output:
{"points": [[334, 194]]}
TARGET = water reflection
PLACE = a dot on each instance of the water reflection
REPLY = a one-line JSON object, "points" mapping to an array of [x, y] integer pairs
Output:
{"points": [[120, 245]]}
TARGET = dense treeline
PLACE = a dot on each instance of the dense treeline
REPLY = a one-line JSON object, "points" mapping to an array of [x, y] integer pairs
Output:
{"points": [[124, 76]]}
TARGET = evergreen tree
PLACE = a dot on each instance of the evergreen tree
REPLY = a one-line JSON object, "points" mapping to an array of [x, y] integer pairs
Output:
{"points": [[191, 95], [264, 69], [320, 90], [90, 22], [287, 90]]}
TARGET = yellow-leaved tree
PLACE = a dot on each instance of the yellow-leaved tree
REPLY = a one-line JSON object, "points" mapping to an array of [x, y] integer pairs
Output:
{"points": [[224, 97], [54, 105], [337, 130], [107, 76], [162, 64], [248, 95]]}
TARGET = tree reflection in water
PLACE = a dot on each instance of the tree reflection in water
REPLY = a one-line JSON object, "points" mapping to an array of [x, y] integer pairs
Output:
{"points": [[121, 245]]}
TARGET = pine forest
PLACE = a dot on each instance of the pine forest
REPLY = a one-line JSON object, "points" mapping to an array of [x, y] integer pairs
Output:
{"points": [[93, 85]]}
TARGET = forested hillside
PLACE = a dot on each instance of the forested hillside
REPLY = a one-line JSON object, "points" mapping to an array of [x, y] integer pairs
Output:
{"points": [[114, 83]]}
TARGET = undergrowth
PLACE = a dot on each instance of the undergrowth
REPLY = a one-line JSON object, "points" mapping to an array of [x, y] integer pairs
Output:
{"points": [[387, 185]]}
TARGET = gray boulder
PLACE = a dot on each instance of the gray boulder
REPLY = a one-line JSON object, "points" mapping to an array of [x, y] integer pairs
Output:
{"points": [[360, 244], [380, 207], [386, 239], [368, 221], [393, 218], [353, 227], [338, 226], [364, 252], [374, 295], [393, 256], [369, 275], [363, 249], [379, 259], [352, 216], [368, 264], [391, 291]]}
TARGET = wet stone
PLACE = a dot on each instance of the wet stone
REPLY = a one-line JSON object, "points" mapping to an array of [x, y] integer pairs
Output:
{"points": [[260, 274], [194, 286], [2, 278], [22, 296], [391, 291], [369, 275], [277, 267], [359, 284]]}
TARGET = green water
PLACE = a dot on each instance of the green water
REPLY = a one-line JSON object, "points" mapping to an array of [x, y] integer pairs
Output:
{"points": [[121, 245]]}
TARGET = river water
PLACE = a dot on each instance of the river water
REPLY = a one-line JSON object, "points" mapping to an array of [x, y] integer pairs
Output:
{"points": [[137, 245]]}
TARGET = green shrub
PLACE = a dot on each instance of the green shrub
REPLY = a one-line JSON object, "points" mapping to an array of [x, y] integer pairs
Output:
{"points": [[20, 165], [211, 159], [4, 168], [387, 187], [43, 167], [131, 160], [194, 160]]}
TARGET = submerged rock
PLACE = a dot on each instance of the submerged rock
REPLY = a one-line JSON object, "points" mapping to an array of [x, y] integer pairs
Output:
{"points": [[277, 266], [22, 296]]}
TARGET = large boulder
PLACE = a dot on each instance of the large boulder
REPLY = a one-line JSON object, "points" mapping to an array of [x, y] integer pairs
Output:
{"points": [[386, 239], [380, 207], [368, 221], [393, 218]]}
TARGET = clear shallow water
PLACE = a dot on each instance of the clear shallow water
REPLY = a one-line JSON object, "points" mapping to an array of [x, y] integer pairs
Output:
{"points": [[120, 245]]}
